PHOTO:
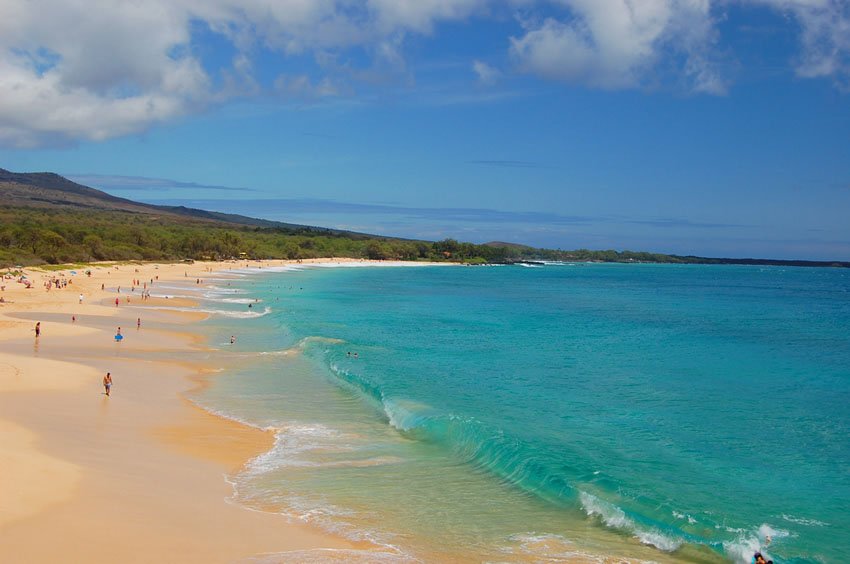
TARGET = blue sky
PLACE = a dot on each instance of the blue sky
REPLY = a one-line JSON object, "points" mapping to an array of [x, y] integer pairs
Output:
{"points": [[710, 127]]}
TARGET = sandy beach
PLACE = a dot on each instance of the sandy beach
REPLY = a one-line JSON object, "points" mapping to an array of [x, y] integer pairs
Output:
{"points": [[138, 476]]}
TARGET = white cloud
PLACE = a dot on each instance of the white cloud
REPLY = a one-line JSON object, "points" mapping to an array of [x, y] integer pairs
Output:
{"points": [[615, 43], [302, 87], [420, 15], [93, 69], [486, 74], [824, 36], [621, 43]]}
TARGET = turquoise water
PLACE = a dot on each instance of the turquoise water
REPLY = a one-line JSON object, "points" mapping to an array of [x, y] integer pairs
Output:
{"points": [[656, 412]]}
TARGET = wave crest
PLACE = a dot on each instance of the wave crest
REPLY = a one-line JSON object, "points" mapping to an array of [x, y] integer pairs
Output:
{"points": [[615, 518]]}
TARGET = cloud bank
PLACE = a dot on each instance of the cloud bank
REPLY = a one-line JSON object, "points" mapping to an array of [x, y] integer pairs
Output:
{"points": [[142, 183], [73, 70], [285, 208]]}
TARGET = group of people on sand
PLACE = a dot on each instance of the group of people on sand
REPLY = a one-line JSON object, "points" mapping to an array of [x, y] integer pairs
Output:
{"points": [[107, 380], [57, 283]]}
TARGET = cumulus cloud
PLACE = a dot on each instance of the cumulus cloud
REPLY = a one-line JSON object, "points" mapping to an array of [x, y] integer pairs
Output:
{"points": [[618, 43], [75, 70], [614, 43], [71, 70], [90, 70], [824, 36]]}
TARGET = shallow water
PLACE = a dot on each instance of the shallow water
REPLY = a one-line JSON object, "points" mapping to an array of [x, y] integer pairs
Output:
{"points": [[657, 412]]}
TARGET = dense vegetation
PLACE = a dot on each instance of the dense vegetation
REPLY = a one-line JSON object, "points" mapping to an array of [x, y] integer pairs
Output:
{"points": [[41, 235], [35, 235]]}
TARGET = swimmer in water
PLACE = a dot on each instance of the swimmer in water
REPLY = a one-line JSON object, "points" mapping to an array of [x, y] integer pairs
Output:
{"points": [[759, 559]]}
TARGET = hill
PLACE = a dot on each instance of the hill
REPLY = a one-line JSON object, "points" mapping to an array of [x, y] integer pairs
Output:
{"points": [[50, 190], [45, 217]]}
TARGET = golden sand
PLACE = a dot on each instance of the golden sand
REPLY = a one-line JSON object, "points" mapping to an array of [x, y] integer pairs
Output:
{"points": [[134, 477]]}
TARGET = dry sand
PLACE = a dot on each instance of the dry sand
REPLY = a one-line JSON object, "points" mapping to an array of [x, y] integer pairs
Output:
{"points": [[134, 477]]}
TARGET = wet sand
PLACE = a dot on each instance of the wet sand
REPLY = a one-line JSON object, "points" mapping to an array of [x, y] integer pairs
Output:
{"points": [[138, 476]]}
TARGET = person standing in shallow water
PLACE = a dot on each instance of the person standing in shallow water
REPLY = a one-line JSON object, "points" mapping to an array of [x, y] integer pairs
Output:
{"points": [[107, 383], [38, 329]]}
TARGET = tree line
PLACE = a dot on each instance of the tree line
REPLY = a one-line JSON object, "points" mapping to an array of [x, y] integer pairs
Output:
{"points": [[37, 236], [32, 236]]}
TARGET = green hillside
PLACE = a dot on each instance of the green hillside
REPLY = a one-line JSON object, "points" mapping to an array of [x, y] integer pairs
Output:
{"points": [[46, 218]]}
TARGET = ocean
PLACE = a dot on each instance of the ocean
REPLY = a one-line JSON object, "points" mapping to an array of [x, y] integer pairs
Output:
{"points": [[554, 413]]}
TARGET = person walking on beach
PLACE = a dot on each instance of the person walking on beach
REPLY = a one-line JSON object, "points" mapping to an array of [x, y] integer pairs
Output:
{"points": [[107, 382], [37, 329], [81, 298], [139, 323]]}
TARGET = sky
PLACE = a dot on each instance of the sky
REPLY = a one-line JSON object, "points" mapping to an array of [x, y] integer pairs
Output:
{"points": [[708, 127]]}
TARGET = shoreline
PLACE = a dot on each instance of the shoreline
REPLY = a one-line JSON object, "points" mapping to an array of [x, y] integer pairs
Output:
{"points": [[147, 480], [140, 475]]}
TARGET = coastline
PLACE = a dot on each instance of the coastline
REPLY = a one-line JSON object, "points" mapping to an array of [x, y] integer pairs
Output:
{"points": [[297, 427], [137, 476], [149, 477]]}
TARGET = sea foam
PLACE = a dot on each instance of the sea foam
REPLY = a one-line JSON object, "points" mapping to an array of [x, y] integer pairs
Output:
{"points": [[614, 517], [220, 312]]}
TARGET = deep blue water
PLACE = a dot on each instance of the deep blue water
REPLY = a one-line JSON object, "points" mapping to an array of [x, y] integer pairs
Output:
{"points": [[651, 411]]}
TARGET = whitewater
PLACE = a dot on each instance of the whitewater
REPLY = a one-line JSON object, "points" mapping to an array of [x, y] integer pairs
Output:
{"points": [[567, 412]]}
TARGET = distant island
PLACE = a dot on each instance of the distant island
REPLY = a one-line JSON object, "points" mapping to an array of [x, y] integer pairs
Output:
{"points": [[48, 219]]}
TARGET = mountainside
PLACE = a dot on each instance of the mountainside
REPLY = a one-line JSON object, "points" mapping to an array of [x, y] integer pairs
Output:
{"points": [[50, 190], [45, 217], [46, 189], [516, 246]]}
